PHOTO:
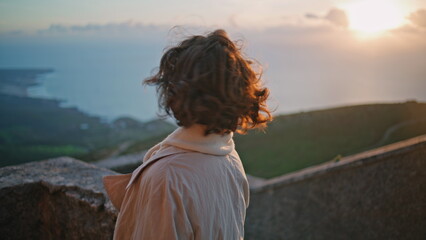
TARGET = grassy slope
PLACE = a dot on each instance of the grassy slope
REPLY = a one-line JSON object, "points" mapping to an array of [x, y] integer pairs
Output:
{"points": [[296, 141], [300, 140], [34, 129]]}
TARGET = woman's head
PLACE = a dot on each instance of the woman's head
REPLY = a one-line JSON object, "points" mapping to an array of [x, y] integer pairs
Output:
{"points": [[206, 80]]}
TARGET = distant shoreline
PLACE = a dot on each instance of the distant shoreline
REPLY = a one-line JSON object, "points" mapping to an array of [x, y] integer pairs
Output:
{"points": [[16, 82]]}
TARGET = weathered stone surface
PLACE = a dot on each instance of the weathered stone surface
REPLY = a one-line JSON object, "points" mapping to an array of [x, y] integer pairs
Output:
{"points": [[60, 198], [380, 194]]}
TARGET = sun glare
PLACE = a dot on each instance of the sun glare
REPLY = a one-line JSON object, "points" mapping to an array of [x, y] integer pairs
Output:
{"points": [[371, 17]]}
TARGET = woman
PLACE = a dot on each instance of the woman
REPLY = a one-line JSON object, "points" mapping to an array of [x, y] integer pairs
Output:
{"points": [[192, 185]]}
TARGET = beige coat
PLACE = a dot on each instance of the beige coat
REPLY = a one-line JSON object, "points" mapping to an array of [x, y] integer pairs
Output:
{"points": [[189, 186]]}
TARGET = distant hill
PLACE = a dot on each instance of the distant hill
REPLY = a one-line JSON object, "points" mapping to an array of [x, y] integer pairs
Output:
{"points": [[300, 140]]}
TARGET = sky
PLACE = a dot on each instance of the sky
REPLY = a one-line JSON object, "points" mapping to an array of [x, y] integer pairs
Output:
{"points": [[39, 14], [314, 53], [36, 14]]}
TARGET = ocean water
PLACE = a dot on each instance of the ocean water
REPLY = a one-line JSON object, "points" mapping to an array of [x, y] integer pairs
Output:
{"points": [[103, 80], [104, 77]]}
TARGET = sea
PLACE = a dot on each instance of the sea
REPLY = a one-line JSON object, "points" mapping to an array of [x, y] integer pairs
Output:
{"points": [[104, 78]]}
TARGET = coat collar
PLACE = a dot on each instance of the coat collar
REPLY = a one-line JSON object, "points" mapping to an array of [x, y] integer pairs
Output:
{"points": [[193, 139], [190, 139]]}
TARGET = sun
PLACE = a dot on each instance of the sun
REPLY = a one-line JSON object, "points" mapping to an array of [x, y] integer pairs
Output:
{"points": [[371, 17]]}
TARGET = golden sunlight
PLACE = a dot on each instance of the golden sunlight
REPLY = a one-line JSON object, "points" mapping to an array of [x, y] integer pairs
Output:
{"points": [[371, 17]]}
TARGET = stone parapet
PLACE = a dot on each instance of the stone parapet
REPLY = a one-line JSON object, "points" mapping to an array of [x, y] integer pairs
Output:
{"points": [[60, 198], [378, 194]]}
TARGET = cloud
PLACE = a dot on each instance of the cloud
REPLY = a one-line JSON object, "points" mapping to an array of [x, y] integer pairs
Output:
{"points": [[312, 16], [335, 16], [13, 33], [233, 20], [418, 17], [121, 30], [114, 27], [338, 17]]}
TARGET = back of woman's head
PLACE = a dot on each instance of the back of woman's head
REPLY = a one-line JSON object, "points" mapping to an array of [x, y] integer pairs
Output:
{"points": [[206, 80]]}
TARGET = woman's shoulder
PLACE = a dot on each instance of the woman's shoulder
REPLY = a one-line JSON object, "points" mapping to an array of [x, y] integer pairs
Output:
{"points": [[184, 164], [176, 158]]}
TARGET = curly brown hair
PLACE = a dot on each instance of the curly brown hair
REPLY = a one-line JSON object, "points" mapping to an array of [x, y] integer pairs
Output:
{"points": [[206, 80]]}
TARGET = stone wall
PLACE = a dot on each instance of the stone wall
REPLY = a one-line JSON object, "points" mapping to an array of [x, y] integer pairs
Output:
{"points": [[379, 194], [60, 198]]}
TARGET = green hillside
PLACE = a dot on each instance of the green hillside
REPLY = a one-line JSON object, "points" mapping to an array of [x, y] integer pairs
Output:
{"points": [[33, 129], [296, 141]]}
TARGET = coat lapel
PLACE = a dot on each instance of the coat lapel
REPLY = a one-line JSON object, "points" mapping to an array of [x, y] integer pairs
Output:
{"points": [[117, 185], [114, 186], [169, 150]]}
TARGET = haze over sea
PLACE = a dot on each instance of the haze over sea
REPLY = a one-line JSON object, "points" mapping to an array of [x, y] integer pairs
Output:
{"points": [[100, 69]]}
